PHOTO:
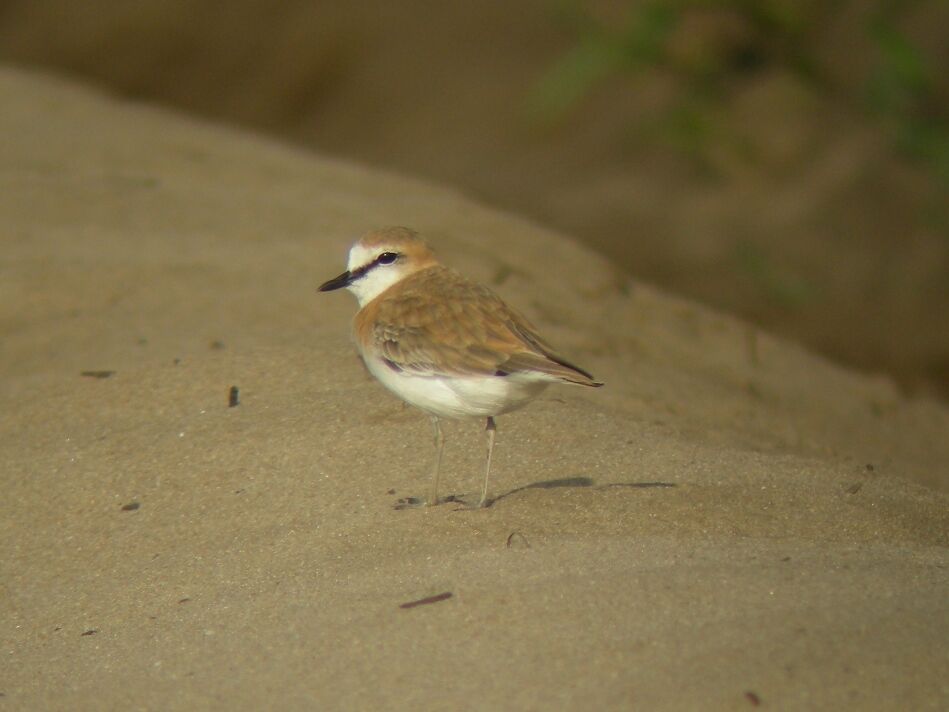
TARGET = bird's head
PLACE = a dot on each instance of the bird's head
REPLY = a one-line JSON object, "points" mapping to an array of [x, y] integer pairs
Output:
{"points": [[380, 259]]}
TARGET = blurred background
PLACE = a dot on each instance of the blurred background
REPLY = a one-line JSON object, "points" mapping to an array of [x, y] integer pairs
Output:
{"points": [[785, 160]]}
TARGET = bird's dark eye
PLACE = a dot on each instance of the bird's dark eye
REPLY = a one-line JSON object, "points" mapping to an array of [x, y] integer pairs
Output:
{"points": [[387, 258]]}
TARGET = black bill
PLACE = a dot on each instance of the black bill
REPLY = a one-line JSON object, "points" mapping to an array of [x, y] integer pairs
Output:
{"points": [[344, 280]]}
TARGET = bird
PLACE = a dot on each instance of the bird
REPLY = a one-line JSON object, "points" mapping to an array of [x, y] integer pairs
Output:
{"points": [[443, 343]]}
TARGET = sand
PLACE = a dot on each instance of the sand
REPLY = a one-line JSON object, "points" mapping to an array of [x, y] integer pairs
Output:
{"points": [[731, 522]]}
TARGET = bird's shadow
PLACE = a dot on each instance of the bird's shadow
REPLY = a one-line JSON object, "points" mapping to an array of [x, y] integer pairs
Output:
{"points": [[578, 481]]}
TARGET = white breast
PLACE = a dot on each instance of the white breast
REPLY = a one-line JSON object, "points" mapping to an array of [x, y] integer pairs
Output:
{"points": [[459, 397]]}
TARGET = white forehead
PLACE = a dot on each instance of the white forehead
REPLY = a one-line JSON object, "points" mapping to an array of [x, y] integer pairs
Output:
{"points": [[360, 255]]}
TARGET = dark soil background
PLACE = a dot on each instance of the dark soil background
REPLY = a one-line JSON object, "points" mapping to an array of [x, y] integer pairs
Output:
{"points": [[786, 163]]}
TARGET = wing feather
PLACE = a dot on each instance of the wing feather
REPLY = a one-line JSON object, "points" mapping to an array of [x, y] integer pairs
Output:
{"points": [[437, 322]]}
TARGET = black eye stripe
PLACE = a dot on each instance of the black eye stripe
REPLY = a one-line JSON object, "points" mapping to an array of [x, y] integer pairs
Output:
{"points": [[359, 272]]}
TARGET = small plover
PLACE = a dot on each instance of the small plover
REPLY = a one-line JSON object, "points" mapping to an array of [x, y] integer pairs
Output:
{"points": [[443, 343]]}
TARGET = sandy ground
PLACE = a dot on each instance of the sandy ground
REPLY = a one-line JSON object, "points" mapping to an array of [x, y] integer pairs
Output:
{"points": [[732, 522]]}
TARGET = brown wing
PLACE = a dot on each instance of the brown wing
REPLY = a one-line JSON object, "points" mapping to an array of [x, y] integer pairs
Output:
{"points": [[436, 322]]}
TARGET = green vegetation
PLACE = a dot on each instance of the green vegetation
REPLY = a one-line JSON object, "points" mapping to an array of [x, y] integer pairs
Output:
{"points": [[707, 47]]}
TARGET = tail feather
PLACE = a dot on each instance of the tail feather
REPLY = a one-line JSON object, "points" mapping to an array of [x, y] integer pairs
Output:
{"points": [[551, 365]]}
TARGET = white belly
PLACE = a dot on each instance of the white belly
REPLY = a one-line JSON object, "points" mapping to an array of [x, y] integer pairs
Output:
{"points": [[459, 397]]}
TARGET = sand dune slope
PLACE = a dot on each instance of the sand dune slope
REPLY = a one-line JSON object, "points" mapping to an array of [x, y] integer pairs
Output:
{"points": [[730, 522]]}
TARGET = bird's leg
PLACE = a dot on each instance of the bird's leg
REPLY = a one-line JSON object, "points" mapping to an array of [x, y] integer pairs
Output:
{"points": [[439, 446], [490, 428]]}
